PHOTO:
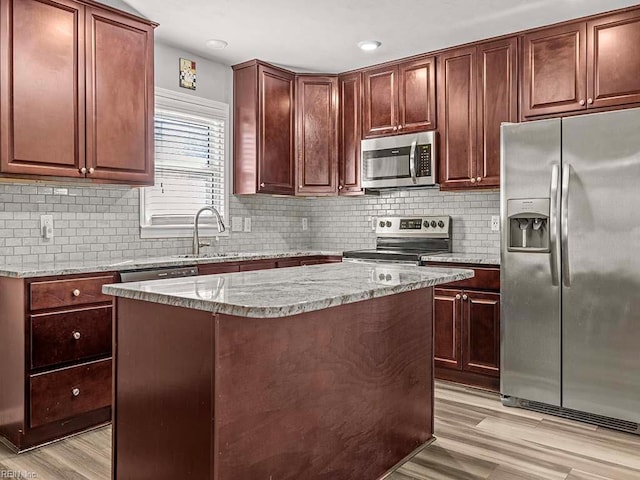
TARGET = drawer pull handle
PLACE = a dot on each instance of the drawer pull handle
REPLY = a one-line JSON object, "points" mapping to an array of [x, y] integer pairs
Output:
{"points": [[75, 392], [76, 293], [76, 335]]}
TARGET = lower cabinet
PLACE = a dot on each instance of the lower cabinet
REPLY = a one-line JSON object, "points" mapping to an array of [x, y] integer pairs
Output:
{"points": [[55, 362], [264, 264], [467, 330]]}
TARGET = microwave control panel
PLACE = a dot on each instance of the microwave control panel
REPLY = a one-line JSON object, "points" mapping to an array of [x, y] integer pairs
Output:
{"points": [[424, 160]]}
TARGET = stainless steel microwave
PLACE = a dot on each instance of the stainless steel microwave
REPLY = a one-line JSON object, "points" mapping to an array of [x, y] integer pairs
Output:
{"points": [[400, 161]]}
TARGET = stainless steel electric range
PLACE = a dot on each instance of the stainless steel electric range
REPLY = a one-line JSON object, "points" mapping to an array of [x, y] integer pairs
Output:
{"points": [[405, 240]]}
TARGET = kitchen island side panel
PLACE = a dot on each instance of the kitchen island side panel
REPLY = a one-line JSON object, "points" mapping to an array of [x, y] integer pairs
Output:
{"points": [[340, 393], [163, 377]]}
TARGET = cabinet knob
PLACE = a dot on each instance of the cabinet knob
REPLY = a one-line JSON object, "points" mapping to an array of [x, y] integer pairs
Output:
{"points": [[91, 170], [76, 335], [83, 170], [395, 129], [76, 293], [300, 186], [473, 180], [262, 184], [75, 392], [590, 101], [399, 127], [581, 102], [458, 297], [340, 187], [465, 297]]}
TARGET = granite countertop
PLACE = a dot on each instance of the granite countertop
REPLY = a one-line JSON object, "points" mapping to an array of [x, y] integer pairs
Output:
{"points": [[43, 269], [287, 291], [459, 257]]}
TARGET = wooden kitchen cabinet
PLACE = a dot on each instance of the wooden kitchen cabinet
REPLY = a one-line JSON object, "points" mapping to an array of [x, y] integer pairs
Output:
{"points": [[582, 66], [55, 363], [399, 98], [316, 135], [349, 133], [467, 328], [477, 91], [61, 62], [263, 129]]}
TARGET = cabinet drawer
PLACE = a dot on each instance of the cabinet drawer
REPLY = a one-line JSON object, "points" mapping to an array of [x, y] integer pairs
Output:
{"points": [[287, 263], [69, 392], [484, 278], [65, 293], [70, 335], [216, 268], [249, 266]]}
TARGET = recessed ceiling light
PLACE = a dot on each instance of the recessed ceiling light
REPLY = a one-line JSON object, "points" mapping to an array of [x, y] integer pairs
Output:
{"points": [[368, 45], [216, 44]]}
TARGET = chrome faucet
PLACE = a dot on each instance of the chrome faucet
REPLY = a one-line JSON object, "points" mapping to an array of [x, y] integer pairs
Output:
{"points": [[196, 236]]}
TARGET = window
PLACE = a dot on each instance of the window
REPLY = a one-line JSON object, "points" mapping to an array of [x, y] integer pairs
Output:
{"points": [[191, 166]]}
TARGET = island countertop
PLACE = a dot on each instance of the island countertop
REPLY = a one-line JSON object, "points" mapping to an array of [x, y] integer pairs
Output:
{"points": [[287, 291]]}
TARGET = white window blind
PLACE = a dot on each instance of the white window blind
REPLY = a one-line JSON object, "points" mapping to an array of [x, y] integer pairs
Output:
{"points": [[190, 157]]}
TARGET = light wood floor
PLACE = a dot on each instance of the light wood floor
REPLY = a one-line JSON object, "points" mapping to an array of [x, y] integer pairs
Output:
{"points": [[477, 438]]}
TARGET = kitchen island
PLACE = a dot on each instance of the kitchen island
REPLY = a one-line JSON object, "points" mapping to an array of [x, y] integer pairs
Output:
{"points": [[318, 372]]}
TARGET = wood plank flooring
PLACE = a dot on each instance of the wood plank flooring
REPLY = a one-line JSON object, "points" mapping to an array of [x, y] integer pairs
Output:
{"points": [[477, 438]]}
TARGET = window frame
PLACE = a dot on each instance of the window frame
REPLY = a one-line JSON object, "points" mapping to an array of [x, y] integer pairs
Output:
{"points": [[191, 105]]}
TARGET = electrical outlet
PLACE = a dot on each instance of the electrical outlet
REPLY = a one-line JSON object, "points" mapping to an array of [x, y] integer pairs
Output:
{"points": [[372, 223], [46, 226], [236, 224], [305, 224], [247, 224], [495, 223]]}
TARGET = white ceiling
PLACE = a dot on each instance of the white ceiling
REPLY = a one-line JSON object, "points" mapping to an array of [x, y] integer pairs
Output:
{"points": [[321, 36]]}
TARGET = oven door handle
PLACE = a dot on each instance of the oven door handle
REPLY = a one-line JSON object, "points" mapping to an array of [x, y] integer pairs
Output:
{"points": [[412, 160]]}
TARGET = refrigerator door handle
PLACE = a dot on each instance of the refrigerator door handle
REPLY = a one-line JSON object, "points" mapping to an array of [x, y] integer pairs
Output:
{"points": [[553, 224], [566, 177]]}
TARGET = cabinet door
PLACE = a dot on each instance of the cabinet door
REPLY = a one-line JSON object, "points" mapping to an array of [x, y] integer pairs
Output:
{"points": [[316, 135], [457, 110], [554, 70], [380, 115], [349, 133], [417, 95], [276, 131], [497, 102], [120, 98], [481, 327], [446, 328], [613, 62], [42, 87]]}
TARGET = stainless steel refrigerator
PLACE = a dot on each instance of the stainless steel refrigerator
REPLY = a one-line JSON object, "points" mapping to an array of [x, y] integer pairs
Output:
{"points": [[570, 253]]}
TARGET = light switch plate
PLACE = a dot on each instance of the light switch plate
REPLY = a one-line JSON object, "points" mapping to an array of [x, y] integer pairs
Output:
{"points": [[46, 226], [495, 223], [236, 224], [247, 224]]}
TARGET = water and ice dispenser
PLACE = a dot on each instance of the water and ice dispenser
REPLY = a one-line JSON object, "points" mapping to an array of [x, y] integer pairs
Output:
{"points": [[528, 225]]}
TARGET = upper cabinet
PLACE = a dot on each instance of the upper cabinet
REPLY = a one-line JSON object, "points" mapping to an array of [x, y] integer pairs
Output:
{"points": [[477, 91], [263, 129], [582, 65], [399, 98], [71, 104], [317, 135], [349, 133]]}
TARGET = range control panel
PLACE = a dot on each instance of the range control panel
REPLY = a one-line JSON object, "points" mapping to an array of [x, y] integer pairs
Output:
{"points": [[432, 226]]}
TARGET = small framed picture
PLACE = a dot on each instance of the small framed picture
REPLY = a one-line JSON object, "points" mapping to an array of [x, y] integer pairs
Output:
{"points": [[187, 74]]}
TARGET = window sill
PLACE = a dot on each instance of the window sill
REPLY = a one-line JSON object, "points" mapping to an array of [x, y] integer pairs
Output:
{"points": [[179, 231]]}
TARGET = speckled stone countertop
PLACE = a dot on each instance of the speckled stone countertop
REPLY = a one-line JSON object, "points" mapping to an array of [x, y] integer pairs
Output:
{"points": [[287, 291], [29, 270], [455, 257]]}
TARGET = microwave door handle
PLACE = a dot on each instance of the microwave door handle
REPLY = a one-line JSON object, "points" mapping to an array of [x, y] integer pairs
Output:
{"points": [[412, 161]]}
